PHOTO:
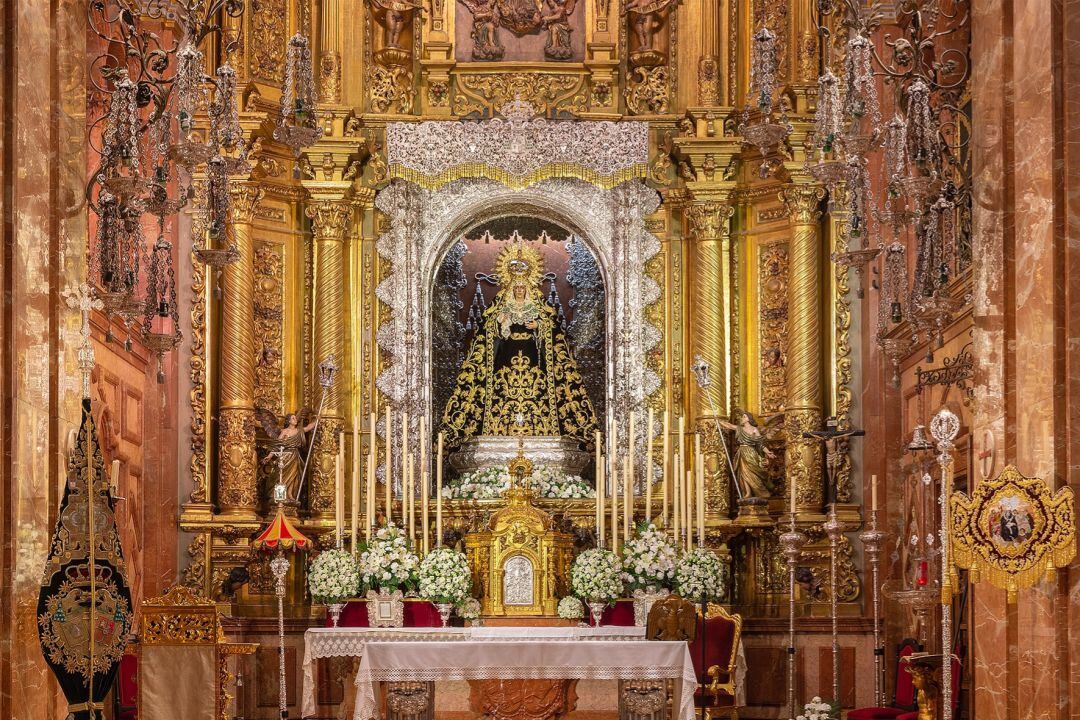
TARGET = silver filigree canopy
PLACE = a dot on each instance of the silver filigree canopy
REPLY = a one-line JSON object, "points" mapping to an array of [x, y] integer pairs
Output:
{"points": [[517, 149]]}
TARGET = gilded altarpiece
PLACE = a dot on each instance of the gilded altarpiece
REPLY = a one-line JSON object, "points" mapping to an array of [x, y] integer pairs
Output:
{"points": [[407, 191]]}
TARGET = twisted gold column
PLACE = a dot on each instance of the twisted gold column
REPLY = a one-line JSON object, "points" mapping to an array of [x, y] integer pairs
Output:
{"points": [[329, 223], [709, 226], [805, 345], [708, 62], [237, 478]]}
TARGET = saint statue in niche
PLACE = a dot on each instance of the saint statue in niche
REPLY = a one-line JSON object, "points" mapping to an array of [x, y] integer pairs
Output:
{"points": [[519, 376]]}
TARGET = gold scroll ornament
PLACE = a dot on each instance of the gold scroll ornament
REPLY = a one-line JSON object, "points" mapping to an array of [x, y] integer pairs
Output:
{"points": [[1013, 530]]}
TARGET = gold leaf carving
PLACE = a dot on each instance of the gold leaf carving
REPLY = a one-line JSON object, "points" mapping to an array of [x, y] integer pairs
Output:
{"points": [[483, 94]]}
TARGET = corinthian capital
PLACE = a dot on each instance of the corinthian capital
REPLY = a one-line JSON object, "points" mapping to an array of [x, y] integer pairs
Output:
{"points": [[709, 220], [329, 218], [803, 203], [245, 199]]}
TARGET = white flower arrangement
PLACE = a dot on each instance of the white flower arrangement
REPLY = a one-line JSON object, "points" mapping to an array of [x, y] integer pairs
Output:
{"points": [[387, 562], [490, 483], [817, 709], [648, 561], [698, 574], [596, 575], [553, 484], [570, 608], [469, 609], [445, 576], [333, 577], [482, 484]]}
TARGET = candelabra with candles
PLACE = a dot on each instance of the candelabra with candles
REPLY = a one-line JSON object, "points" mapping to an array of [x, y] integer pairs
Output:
{"points": [[873, 541], [832, 436], [791, 544], [151, 148]]}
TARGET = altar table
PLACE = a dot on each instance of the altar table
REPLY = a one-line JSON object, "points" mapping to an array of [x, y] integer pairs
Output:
{"points": [[548, 658], [352, 641]]}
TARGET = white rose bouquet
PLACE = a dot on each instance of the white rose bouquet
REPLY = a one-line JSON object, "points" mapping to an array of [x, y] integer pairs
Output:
{"points": [[698, 574], [333, 577], [818, 709], [469, 609], [445, 576], [596, 575], [387, 562], [480, 484], [570, 608], [648, 561], [554, 484]]}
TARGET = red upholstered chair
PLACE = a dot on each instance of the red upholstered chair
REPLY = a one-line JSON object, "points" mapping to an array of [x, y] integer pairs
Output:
{"points": [[903, 691], [714, 652]]}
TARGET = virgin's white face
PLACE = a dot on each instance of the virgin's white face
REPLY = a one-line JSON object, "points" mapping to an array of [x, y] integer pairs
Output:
{"points": [[519, 292]]}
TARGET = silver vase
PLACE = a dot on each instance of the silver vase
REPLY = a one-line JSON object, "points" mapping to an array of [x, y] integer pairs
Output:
{"points": [[444, 612], [597, 610], [335, 613]]}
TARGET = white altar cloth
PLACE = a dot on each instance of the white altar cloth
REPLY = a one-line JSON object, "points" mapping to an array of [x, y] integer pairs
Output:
{"points": [[550, 658], [350, 642]]}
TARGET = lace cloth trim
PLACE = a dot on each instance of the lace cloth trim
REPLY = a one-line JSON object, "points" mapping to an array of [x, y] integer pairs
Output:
{"points": [[397, 662]]}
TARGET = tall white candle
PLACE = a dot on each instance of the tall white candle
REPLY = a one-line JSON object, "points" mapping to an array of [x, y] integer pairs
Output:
{"points": [[404, 452], [388, 477], [339, 489], [699, 488], [628, 473], [410, 495], [665, 467], [701, 500], [649, 467], [438, 492], [425, 480], [676, 498], [369, 507], [873, 492], [355, 519], [689, 509], [597, 476], [792, 494], [601, 479], [614, 482], [354, 524]]}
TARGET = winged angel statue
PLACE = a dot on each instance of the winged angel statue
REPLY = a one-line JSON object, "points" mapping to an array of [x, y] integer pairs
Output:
{"points": [[289, 440], [752, 452]]}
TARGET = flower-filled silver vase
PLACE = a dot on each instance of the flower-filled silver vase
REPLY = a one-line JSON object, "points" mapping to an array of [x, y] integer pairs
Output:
{"points": [[643, 602], [385, 608]]}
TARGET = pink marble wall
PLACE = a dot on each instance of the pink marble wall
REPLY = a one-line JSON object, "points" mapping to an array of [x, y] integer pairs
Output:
{"points": [[43, 239], [1024, 237]]}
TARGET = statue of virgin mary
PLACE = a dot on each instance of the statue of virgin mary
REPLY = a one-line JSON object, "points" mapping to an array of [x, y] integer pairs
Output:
{"points": [[519, 377]]}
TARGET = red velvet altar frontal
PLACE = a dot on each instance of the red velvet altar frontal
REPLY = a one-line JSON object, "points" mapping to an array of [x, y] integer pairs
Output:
{"points": [[417, 613], [421, 613]]}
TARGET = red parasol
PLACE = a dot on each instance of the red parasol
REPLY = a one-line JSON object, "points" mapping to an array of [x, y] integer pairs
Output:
{"points": [[280, 533]]}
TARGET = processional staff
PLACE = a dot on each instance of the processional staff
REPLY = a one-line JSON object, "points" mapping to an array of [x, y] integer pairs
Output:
{"points": [[327, 370]]}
